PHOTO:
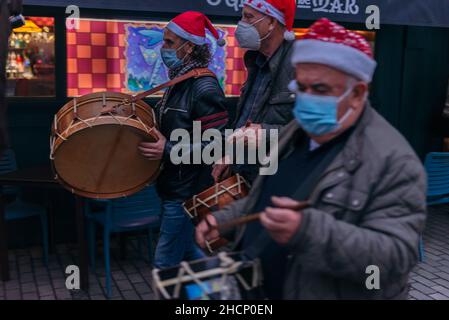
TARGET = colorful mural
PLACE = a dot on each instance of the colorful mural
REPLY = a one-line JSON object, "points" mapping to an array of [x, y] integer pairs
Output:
{"points": [[145, 68], [124, 56]]}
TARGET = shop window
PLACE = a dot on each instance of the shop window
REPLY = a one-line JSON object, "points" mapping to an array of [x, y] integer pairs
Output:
{"points": [[30, 67]]}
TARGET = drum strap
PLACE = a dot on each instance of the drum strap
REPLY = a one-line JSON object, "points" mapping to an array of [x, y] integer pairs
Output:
{"points": [[195, 73]]}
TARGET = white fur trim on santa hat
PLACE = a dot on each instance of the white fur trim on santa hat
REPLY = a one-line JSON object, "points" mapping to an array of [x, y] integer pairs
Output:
{"points": [[335, 55], [173, 27], [264, 5]]}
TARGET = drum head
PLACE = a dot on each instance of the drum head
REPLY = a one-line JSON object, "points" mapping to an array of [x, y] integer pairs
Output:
{"points": [[103, 162]]}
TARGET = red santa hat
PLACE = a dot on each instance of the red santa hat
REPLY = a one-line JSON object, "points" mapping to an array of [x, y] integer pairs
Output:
{"points": [[192, 26], [282, 10], [330, 44]]}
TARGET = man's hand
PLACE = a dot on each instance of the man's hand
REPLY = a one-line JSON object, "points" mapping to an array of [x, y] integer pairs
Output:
{"points": [[206, 231], [153, 150], [222, 169], [283, 220]]}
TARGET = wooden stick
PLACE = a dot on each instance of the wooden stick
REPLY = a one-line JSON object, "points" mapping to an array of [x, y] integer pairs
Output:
{"points": [[252, 218]]}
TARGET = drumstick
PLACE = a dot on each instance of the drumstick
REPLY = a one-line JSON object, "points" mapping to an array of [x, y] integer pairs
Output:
{"points": [[252, 218]]}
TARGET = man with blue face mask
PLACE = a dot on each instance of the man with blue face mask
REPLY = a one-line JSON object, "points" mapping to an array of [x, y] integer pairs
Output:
{"points": [[198, 99], [265, 30], [342, 217]]}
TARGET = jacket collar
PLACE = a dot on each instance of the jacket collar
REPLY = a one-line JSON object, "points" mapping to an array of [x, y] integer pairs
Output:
{"points": [[350, 157], [273, 62]]}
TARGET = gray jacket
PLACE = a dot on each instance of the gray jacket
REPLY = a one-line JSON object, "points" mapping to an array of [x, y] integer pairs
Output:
{"points": [[369, 208]]}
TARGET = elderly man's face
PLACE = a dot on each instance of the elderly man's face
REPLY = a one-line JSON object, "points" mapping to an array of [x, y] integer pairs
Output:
{"points": [[251, 16], [320, 80]]}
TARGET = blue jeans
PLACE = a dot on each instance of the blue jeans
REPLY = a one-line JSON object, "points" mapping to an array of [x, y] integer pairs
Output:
{"points": [[176, 240]]}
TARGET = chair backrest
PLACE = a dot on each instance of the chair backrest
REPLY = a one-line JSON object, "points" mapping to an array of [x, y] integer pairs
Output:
{"points": [[437, 168], [139, 205], [8, 164]]}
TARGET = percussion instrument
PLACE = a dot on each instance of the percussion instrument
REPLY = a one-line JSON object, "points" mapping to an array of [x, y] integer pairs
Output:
{"points": [[223, 277], [94, 145], [213, 199], [94, 142]]}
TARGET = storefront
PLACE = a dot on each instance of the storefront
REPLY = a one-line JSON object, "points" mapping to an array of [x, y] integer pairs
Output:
{"points": [[116, 45]]}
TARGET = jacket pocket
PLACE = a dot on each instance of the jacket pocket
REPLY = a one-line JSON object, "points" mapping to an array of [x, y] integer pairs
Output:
{"points": [[279, 108], [344, 202]]}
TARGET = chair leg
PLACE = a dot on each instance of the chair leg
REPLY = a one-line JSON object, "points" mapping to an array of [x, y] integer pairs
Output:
{"points": [[107, 261], [92, 244], [150, 246], [44, 223], [421, 250]]}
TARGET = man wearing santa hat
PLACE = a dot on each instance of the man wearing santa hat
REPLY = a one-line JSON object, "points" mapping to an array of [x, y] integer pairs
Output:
{"points": [[266, 30], [343, 216], [196, 99]]}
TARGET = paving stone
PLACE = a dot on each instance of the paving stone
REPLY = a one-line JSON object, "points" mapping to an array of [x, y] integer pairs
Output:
{"points": [[442, 290], [13, 295], [424, 281], [130, 295], [439, 296], [424, 289]]}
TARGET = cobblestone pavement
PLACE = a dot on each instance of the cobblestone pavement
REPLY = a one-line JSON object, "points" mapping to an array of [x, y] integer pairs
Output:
{"points": [[430, 279], [31, 280]]}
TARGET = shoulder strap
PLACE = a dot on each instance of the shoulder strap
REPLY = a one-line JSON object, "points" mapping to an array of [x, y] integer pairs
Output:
{"points": [[195, 73]]}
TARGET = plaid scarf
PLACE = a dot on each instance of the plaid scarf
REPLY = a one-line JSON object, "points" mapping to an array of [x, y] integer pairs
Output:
{"points": [[174, 73]]}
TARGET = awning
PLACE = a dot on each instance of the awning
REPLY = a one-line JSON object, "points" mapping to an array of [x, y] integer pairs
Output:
{"points": [[434, 13]]}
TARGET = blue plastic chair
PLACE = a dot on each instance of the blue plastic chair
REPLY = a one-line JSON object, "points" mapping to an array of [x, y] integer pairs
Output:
{"points": [[437, 168], [19, 209], [140, 211]]}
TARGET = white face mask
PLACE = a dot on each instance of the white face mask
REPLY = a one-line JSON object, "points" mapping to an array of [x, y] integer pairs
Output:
{"points": [[248, 37]]}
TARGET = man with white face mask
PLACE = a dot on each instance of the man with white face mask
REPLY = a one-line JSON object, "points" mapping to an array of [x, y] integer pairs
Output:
{"points": [[265, 103], [342, 217]]}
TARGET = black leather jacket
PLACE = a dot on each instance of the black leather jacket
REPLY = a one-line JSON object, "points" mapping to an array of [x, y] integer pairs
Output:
{"points": [[200, 99]]}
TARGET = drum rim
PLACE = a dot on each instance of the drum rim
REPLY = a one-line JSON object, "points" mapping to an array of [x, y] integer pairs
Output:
{"points": [[83, 126], [114, 195], [233, 179], [80, 126], [111, 94]]}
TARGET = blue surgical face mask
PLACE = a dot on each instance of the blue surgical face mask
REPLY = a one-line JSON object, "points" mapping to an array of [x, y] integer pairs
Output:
{"points": [[317, 115], [170, 57]]}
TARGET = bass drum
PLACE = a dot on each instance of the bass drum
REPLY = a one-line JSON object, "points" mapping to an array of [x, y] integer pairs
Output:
{"points": [[94, 145]]}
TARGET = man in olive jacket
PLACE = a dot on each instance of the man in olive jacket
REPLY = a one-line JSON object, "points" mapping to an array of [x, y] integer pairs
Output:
{"points": [[265, 102], [364, 186]]}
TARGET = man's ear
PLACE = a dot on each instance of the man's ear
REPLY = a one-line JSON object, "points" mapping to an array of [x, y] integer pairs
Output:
{"points": [[190, 46], [273, 23], [360, 93]]}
